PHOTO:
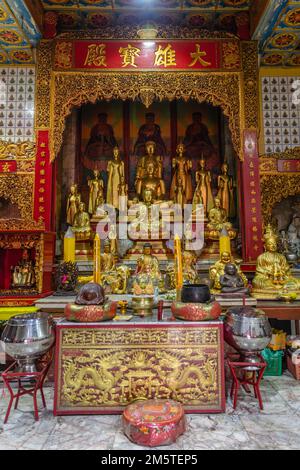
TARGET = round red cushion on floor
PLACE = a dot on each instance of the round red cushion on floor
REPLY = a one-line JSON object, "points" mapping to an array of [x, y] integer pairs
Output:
{"points": [[154, 422]]}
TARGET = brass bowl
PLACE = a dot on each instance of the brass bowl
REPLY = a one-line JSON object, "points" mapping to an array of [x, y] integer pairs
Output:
{"points": [[142, 305]]}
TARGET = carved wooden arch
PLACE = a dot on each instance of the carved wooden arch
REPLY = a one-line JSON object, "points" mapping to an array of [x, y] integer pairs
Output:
{"points": [[72, 89]]}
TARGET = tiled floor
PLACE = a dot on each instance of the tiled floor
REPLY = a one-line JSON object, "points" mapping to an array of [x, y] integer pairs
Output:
{"points": [[276, 427]]}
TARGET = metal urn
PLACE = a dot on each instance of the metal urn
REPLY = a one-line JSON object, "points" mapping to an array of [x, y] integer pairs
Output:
{"points": [[27, 337], [247, 330]]}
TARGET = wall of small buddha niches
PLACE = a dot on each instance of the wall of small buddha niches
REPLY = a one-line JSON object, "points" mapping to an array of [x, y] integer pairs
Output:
{"points": [[17, 101], [280, 113]]}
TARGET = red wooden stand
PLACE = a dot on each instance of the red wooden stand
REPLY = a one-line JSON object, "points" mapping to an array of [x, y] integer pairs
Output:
{"points": [[242, 376], [37, 377]]}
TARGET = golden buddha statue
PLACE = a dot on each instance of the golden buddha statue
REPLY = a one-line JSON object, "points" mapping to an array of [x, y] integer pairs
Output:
{"points": [[273, 273], [217, 271], [151, 182], [225, 191], [203, 188], [96, 186], [23, 274], [180, 193], [123, 187], [148, 264], [81, 225], [149, 157], [108, 259], [73, 201], [115, 171], [217, 221], [182, 167], [189, 259]]}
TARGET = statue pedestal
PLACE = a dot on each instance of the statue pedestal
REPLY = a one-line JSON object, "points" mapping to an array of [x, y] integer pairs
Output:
{"points": [[158, 249], [83, 250]]}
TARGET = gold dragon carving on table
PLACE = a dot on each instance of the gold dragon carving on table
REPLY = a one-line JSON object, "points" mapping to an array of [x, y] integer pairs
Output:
{"points": [[139, 364]]}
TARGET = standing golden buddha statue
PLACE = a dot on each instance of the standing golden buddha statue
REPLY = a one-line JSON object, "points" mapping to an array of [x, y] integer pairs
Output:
{"points": [[115, 170], [73, 201], [182, 167], [96, 186], [273, 273], [225, 191], [203, 181]]}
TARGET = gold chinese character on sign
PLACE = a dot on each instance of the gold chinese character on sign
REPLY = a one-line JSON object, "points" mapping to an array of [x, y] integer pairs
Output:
{"points": [[129, 55], [165, 57], [197, 56], [286, 166], [96, 55], [6, 168]]}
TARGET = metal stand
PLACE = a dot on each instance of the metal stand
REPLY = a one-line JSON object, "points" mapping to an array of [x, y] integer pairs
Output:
{"points": [[242, 376], [37, 377]]}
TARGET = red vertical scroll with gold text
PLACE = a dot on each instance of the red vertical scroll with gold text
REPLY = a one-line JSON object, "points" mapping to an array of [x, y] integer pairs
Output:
{"points": [[251, 198], [43, 180]]}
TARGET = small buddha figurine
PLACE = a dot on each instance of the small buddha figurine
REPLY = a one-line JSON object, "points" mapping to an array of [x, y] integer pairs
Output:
{"points": [[123, 187], [218, 270], [96, 186], [217, 217], [273, 273], [73, 201], [23, 274], [203, 188], [115, 171], [108, 260], [148, 264], [182, 174], [81, 226], [190, 274], [225, 191], [180, 193], [90, 294], [152, 182], [232, 282]]}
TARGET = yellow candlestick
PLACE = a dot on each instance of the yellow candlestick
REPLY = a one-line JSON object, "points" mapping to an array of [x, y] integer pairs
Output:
{"points": [[178, 262], [224, 242], [97, 259], [69, 246]]}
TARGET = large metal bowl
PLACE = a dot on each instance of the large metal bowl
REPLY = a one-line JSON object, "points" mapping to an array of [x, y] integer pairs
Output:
{"points": [[247, 330], [27, 337]]}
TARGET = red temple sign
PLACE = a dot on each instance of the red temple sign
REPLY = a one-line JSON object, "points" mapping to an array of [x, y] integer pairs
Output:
{"points": [[147, 55], [288, 166]]}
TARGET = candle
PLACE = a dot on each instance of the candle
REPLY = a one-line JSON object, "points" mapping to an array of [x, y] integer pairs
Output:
{"points": [[69, 246], [178, 262], [97, 259], [224, 242]]}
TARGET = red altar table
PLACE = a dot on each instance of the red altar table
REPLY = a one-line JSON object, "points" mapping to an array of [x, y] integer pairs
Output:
{"points": [[100, 368]]}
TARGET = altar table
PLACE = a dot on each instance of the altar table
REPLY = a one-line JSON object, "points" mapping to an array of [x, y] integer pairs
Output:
{"points": [[102, 367]]}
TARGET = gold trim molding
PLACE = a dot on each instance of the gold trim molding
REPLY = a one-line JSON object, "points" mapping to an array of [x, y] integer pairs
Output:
{"points": [[19, 190], [274, 188], [73, 90], [22, 150]]}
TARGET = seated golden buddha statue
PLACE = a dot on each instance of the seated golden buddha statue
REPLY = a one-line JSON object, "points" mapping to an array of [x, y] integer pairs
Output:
{"points": [[189, 272], [150, 181], [108, 259], [23, 274], [273, 273], [217, 271], [81, 225], [148, 264], [217, 220]]}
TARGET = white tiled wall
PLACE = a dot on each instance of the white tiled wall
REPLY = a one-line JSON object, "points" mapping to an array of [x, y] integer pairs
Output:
{"points": [[281, 115], [17, 96]]}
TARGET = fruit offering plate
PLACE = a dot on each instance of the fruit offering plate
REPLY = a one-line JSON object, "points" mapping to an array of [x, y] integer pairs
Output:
{"points": [[154, 423]]}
